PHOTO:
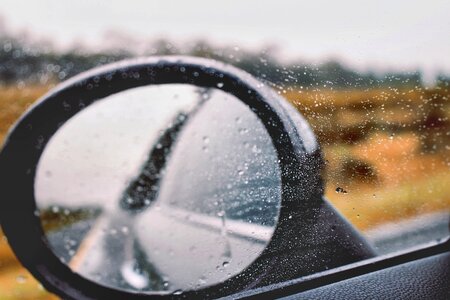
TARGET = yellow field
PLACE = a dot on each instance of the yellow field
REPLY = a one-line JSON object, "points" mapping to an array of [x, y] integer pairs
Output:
{"points": [[387, 149], [15, 281], [386, 153]]}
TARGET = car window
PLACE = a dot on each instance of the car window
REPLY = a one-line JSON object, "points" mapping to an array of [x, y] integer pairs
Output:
{"points": [[372, 79]]}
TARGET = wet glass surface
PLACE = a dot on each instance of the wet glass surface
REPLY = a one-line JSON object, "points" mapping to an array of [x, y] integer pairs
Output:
{"points": [[138, 186]]}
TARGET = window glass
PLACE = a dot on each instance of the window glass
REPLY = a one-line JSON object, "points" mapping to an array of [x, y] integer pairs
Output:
{"points": [[372, 78]]}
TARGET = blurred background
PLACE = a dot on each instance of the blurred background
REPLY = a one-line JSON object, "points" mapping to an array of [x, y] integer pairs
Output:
{"points": [[372, 78]]}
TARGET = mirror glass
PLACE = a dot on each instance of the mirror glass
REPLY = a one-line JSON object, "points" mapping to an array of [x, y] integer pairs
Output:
{"points": [[160, 188]]}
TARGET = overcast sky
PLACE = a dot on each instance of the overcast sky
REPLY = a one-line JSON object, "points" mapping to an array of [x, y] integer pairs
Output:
{"points": [[90, 160], [381, 35]]}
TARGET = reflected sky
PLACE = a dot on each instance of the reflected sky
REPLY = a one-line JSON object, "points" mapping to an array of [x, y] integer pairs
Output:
{"points": [[91, 158]]}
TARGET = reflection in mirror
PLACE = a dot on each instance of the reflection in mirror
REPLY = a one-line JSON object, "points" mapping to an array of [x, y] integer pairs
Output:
{"points": [[160, 188]]}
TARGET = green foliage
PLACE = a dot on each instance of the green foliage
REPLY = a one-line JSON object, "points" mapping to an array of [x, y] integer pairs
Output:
{"points": [[21, 61]]}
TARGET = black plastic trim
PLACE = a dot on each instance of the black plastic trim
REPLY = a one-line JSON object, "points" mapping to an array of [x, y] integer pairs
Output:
{"points": [[311, 282]]}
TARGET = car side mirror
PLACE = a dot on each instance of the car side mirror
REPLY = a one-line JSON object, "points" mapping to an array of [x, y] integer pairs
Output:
{"points": [[168, 176]]}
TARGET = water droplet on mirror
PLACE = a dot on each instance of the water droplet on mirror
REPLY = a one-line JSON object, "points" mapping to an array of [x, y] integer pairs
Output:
{"points": [[205, 96], [202, 281], [341, 190], [256, 150], [166, 284], [243, 130], [21, 279]]}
